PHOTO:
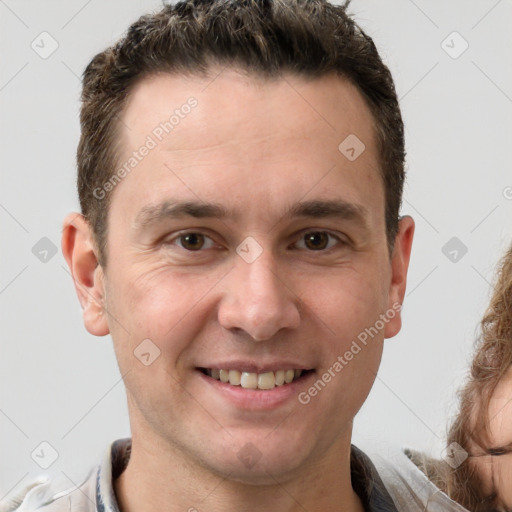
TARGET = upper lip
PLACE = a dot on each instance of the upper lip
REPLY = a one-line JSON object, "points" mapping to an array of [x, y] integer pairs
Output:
{"points": [[254, 367]]}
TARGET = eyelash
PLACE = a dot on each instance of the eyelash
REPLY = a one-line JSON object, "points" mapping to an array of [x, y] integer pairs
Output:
{"points": [[301, 237]]}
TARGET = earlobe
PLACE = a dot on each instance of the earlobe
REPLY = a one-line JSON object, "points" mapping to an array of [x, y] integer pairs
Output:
{"points": [[399, 266], [80, 253]]}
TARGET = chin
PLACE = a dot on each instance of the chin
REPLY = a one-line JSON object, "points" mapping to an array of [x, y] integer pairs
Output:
{"points": [[259, 474], [256, 462]]}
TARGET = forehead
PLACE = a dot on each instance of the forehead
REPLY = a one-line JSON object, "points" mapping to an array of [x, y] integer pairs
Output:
{"points": [[326, 107], [250, 136], [500, 411]]}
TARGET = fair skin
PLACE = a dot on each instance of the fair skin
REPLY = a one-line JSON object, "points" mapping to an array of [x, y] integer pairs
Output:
{"points": [[256, 148]]}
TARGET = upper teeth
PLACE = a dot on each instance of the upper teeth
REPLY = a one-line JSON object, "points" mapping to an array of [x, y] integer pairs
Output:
{"points": [[267, 380]]}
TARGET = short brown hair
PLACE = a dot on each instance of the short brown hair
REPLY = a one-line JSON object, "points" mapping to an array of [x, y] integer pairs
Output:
{"points": [[308, 38]]}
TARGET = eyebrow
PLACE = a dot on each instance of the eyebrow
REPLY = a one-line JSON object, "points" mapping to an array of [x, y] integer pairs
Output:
{"points": [[153, 214], [334, 208], [315, 209]]}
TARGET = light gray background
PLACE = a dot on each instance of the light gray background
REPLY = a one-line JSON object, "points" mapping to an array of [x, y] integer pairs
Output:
{"points": [[61, 385]]}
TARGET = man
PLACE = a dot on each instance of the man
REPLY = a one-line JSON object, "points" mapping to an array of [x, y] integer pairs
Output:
{"points": [[240, 173]]}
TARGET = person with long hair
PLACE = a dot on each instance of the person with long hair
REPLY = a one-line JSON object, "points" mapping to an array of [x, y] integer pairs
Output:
{"points": [[481, 432]]}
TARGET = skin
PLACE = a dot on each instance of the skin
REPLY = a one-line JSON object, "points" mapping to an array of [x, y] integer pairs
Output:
{"points": [[256, 147]]}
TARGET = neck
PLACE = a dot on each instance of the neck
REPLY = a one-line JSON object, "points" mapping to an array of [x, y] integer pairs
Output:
{"points": [[163, 478]]}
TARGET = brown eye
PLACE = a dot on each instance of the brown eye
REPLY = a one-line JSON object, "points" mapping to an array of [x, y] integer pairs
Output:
{"points": [[192, 241], [316, 241]]}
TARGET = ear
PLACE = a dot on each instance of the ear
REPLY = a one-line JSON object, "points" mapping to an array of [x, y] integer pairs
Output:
{"points": [[80, 252], [399, 266]]}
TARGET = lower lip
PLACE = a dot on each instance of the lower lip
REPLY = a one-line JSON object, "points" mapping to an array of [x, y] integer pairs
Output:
{"points": [[258, 399]]}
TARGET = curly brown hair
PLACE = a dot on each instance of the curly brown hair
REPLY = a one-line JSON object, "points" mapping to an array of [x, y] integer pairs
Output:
{"points": [[471, 427], [309, 38]]}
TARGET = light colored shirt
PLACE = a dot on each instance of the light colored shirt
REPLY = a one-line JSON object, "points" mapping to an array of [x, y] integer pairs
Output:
{"points": [[389, 484]]}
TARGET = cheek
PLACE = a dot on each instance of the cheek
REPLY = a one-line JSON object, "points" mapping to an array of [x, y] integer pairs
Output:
{"points": [[485, 468], [351, 314], [495, 475], [349, 304], [505, 480], [165, 306]]}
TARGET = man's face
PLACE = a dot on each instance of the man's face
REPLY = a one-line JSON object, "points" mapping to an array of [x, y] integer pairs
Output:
{"points": [[287, 278]]}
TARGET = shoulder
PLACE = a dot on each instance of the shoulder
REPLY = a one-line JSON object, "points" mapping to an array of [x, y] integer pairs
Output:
{"points": [[60, 495], [47, 494], [414, 481]]}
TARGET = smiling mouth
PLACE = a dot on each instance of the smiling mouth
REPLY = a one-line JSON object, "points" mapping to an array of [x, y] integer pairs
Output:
{"points": [[249, 380]]}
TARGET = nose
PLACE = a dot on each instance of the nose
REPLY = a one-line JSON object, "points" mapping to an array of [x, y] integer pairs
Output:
{"points": [[258, 301]]}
